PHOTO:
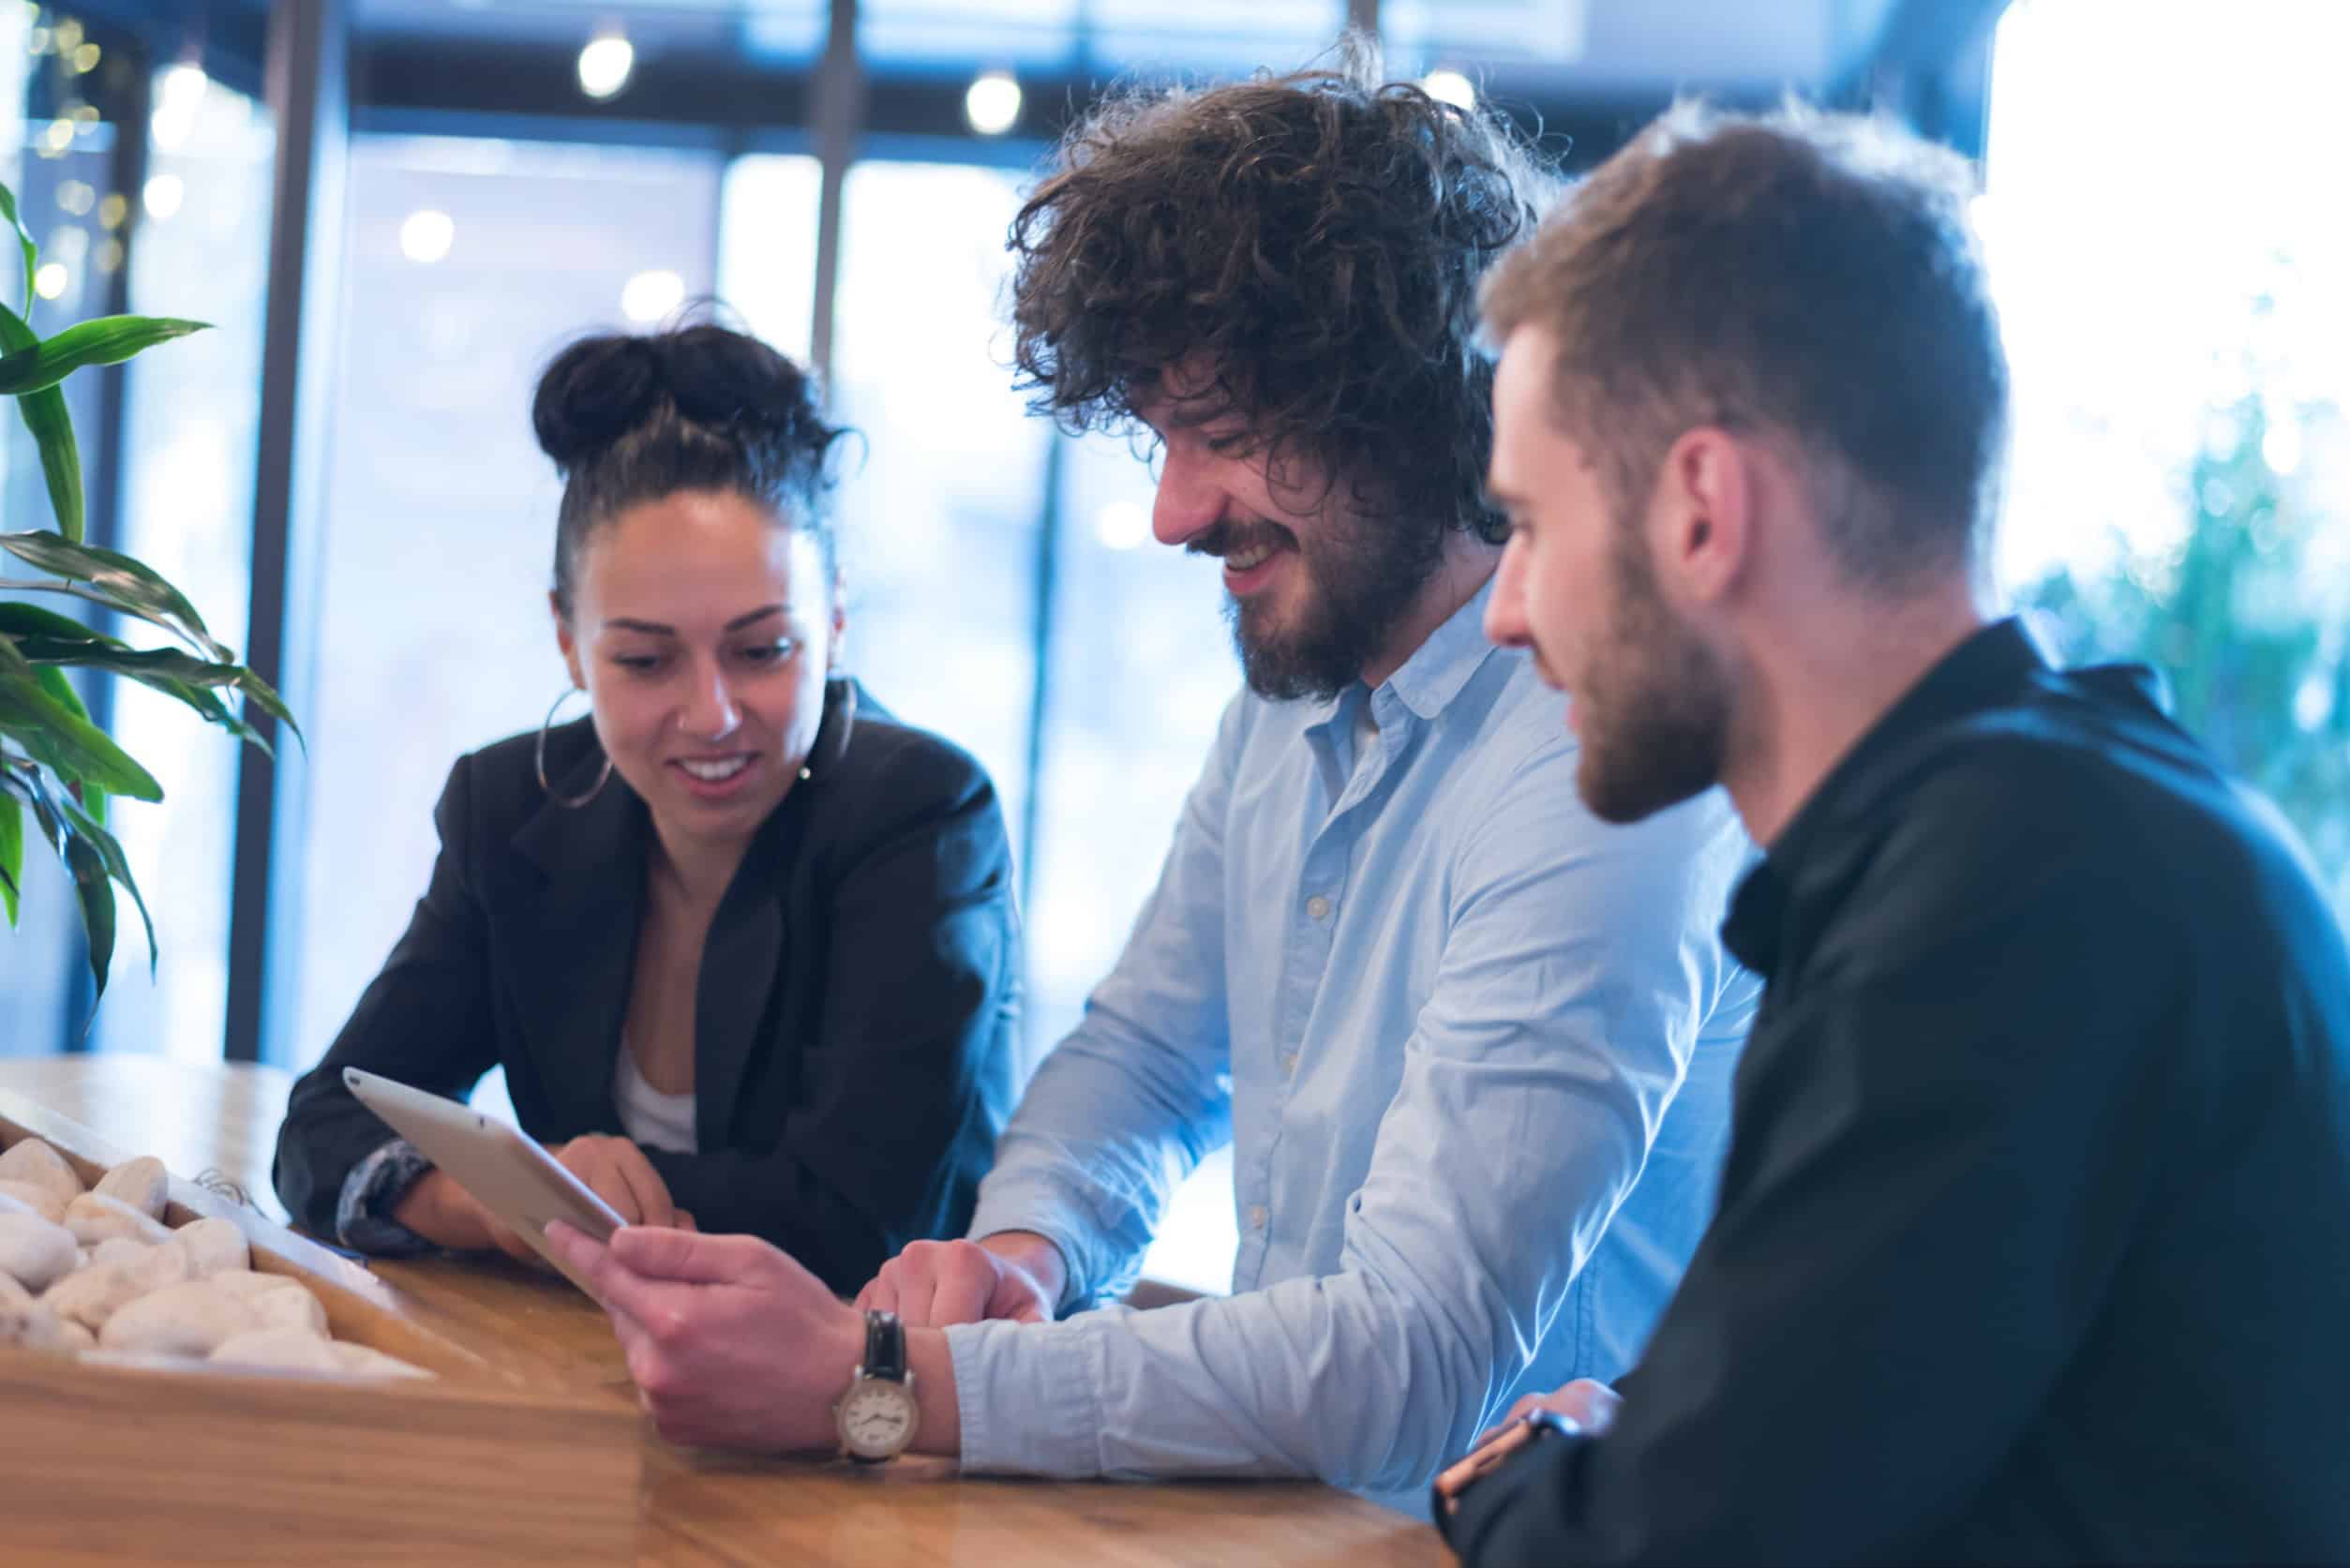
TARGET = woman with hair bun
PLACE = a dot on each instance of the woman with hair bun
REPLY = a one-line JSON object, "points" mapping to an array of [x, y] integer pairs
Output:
{"points": [[746, 946]]}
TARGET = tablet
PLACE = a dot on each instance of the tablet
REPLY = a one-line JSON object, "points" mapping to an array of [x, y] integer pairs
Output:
{"points": [[503, 1167]]}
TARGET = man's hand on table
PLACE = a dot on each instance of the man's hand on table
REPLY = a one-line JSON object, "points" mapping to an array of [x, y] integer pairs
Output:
{"points": [[1016, 1275], [734, 1345]]}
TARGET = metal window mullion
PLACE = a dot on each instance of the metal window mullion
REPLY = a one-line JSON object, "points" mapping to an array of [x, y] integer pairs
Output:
{"points": [[839, 108], [305, 82]]}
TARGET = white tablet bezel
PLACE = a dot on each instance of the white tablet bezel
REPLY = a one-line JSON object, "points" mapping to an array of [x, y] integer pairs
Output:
{"points": [[505, 1170]]}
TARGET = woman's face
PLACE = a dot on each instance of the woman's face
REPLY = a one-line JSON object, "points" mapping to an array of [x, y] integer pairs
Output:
{"points": [[702, 630]]}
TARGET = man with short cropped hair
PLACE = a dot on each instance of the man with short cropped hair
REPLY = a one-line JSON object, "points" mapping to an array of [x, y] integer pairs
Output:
{"points": [[2034, 1240]]}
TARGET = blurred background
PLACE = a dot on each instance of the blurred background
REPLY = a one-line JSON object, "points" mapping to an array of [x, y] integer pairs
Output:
{"points": [[395, 211]]}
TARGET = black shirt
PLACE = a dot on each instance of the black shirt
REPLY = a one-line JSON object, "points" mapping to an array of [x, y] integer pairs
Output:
{"points": [[2034, 1236]]}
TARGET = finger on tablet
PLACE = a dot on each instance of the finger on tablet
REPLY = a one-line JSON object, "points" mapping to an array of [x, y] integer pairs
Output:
{"points": [[573, 1244], [688, 1256]]}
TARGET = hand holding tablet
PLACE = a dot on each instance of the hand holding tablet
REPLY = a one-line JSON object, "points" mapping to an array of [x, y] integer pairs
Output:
{"points": [[504, 1170]]}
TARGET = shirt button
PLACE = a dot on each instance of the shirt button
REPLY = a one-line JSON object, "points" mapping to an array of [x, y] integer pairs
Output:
{"points": [[1318, 906], [1256, 1217], [1289, 1063]]}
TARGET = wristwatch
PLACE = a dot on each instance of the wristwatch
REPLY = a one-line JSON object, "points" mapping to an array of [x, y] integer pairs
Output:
{"points": [[1461, 1474], [877, 1416]]}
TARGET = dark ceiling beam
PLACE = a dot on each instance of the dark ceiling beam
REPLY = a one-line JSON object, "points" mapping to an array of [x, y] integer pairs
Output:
{"points": [[736, 102], [539, 80], [230, 36]]}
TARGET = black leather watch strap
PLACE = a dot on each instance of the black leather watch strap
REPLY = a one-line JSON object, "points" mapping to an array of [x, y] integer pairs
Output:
{"points": [[885, 1346]]}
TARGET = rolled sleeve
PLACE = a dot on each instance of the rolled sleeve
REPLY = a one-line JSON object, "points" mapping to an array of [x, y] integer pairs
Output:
{"points": [[363, 1212]]}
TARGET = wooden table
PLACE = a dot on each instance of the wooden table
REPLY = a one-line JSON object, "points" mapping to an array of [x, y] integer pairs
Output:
{"points": [[700, 1508]]}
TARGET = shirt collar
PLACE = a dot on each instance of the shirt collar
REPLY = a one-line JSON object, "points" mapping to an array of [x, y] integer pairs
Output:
{"points": [[1431, 677], [1442, 665], [1986, 670]]}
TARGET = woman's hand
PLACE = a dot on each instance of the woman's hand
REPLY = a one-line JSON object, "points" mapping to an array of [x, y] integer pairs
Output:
{"points": [[444, 1214], [616, 1170]]}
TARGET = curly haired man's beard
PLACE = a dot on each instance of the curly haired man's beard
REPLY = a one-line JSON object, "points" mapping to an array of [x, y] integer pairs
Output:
{"points": [[1362, 576]]}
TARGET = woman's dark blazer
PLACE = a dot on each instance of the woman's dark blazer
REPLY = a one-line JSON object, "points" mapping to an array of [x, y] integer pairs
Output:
{"points": [[855, 1053]]}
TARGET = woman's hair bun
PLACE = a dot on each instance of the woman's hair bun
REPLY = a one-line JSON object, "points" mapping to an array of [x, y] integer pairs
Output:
{"points": [[602, 388]]}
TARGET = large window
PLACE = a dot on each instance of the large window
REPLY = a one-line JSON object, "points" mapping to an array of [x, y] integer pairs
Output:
{"points": [[162, 213], [940, 520], [2170, 282], [767, 225], [190, 433], [468, 264], [1141, 669]]}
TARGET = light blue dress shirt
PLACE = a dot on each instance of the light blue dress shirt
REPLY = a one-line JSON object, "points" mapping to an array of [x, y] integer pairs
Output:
{"points": [[1440, 1011]]}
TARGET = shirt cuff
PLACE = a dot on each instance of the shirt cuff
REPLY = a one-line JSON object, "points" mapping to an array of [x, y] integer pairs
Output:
{"points": [[1029, 1397], [363, 1213], [1041, 1205]]}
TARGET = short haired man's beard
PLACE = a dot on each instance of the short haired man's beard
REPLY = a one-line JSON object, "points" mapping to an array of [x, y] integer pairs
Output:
{"points": [[1653, 708], [1362, 578]]}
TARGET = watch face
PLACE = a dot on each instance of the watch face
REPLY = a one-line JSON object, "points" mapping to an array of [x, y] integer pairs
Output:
{"points": [[877, 1419]]}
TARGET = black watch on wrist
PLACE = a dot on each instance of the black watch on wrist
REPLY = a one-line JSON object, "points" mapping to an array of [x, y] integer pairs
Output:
{"points": [[877, 1418]]}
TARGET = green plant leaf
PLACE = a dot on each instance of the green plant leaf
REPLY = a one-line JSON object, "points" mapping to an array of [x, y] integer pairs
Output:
{"points": [[111, 855], [44, 414], [32, 254], [96, 596], [11, 851], [131, 585], [106, 340], [31, 620], [213, 710], [54, 681], [98, 905], [57, 737], [86, 863], [164, 669], [86, 652], [150, 668]]}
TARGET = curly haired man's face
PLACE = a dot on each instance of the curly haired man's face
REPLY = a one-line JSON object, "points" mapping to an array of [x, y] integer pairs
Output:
{"points": [[1318, 588]]}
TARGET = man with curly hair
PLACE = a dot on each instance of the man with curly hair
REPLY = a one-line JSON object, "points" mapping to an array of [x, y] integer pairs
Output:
{"points": [[1470, 1046]]}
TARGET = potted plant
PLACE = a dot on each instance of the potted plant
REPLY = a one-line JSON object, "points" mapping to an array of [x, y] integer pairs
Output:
{"points": [[55, 763]]}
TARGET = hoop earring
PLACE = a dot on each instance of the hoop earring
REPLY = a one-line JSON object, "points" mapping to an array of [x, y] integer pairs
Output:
{"points": [[840, 719], [574, 802]]}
